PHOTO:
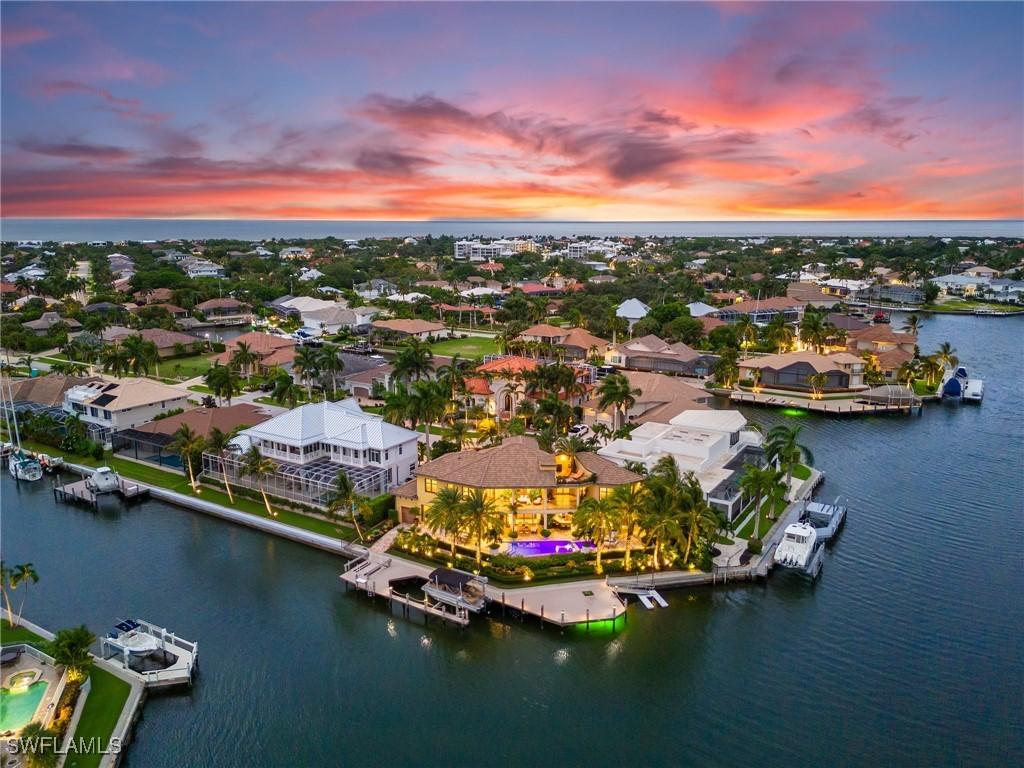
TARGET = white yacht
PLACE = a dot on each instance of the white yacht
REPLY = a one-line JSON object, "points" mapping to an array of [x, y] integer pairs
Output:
{"points": [[800, 549], [103, 480], [24, 467]]}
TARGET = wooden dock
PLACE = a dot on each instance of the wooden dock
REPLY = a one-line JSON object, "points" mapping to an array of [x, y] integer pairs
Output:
{"points": [[374, 573], [81, 492], [834, 406]]}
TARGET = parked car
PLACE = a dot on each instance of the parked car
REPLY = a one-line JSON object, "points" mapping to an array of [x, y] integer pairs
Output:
{"points": [[579, 430]]}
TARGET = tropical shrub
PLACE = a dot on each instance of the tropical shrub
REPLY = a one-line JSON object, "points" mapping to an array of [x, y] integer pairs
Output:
{"points": [[754, 546]]}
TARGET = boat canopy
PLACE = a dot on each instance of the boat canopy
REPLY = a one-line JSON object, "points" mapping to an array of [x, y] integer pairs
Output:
{"points": [[890, 394]]}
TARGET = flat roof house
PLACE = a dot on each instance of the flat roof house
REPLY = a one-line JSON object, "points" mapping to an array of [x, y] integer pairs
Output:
{"points": [[311, 444], [714, 445], [547, 488]]}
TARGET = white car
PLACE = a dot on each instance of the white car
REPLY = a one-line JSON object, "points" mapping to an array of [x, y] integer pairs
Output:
{"points": [[579, 430]]}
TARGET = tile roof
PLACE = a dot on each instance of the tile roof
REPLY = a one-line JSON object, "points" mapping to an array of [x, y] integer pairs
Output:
{"points": [[517, 463], [578, 337], [132, 393], [260, 343], [203, 420], [512, 364], [652, 346], [882, 333], [409, 326], [778, 303], [46, 390], [219, 304], [820, 363], [893, 358]]}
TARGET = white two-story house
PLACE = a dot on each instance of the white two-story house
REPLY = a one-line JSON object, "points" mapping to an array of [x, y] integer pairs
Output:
{"points": [[109, 406], [312, 443]]}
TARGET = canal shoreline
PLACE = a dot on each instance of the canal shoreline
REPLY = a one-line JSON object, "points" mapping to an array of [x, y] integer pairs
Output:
{"points": [[131, 711], [558, 603]]}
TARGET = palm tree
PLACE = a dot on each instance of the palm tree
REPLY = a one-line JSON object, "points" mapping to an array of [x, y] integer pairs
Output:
{"points": [[307, 366], [660, 519], [629, 505], [187, 443], [428, 401], [615, 391], [244, 358], [754, 484], [780, 333], [812, 330], [286, 391], [140, 354], [480, 515], [5, 588], [931, 369], [913, 324], [818, 381], [70, 648], [746, 332], [783, 446], [596, 518], [557, 410], [412, 362], [947, 355], [40, 745], [458, 433], [257, 466], [345, 498], [69, 368], [444, 513], [114, 360], [776, 489], [700, 520], [217, 444], [25, 574], [727, 369], [453, 377], [909, 372], [331, 364]]}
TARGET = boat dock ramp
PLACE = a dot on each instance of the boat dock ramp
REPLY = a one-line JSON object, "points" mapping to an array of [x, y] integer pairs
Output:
{"points": [[81, 491]]}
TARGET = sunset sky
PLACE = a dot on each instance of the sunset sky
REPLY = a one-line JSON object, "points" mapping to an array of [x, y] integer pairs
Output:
{"points": [[503, 111]]}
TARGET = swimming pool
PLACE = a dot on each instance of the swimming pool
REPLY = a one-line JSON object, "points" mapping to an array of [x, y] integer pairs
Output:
{"points": [[547, 547], [17, 708]]}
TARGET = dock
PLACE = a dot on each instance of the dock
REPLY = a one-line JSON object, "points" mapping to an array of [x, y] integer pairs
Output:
{"points": [[375, 574], [153, 655], [81, 492], [835, 406]]}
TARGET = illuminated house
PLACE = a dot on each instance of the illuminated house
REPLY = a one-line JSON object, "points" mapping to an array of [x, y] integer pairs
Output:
{"points": [[545, 489], [793, 370]]}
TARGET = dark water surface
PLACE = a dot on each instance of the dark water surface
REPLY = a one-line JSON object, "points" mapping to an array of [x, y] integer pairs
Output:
{"points": [[906, 652]]}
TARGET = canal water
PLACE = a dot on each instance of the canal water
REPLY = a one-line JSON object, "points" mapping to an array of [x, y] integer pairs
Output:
{"points": [[907, 651]]}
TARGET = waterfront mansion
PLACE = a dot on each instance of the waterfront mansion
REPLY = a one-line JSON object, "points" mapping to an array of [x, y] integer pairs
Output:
{"points": [[535, 489], [311, 444], [715, 445]]}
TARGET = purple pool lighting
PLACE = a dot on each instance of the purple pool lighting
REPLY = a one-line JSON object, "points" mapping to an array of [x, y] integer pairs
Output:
{"points": [[547, 547]]}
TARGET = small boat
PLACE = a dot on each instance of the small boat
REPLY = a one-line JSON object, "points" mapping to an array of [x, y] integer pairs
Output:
{"points": [[974, 391], [881, 317], [103, 480], [800, 549], [953, 385]]}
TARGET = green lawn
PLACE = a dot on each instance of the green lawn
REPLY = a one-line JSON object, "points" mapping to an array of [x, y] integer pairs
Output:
{"points": [[182, 368], [9, 634], [106, 699], [766, 522], [801, 472], [470, 347], [922, 388]]}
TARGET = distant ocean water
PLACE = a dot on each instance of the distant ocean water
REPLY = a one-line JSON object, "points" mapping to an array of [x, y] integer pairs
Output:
{"points": [[260, 229]]}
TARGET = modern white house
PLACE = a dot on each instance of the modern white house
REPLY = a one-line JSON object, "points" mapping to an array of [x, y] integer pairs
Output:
{"points": [[311, 444], [714, 445], [108, 406]]}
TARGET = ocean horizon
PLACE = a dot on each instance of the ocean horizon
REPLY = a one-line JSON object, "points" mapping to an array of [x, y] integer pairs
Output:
{"points": [[261, 229]]}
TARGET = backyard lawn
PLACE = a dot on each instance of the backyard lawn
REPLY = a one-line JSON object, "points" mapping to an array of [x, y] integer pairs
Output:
{"points": [[9, 634], [106, 699], [182, 368], [470, 347], [801, 472]]}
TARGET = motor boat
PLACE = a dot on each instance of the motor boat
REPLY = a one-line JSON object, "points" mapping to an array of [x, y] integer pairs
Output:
{"points": [[954, 383], [974, 391], [798, 548], [103, 480]]}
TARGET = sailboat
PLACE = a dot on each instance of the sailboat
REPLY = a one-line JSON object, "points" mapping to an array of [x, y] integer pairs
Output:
{"points": [[19, 464]]}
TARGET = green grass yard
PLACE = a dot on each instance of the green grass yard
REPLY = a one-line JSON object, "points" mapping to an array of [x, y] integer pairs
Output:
{"points": [[9, 634], [182, 368], [107, 697], [801, 472], [470, 347]]}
